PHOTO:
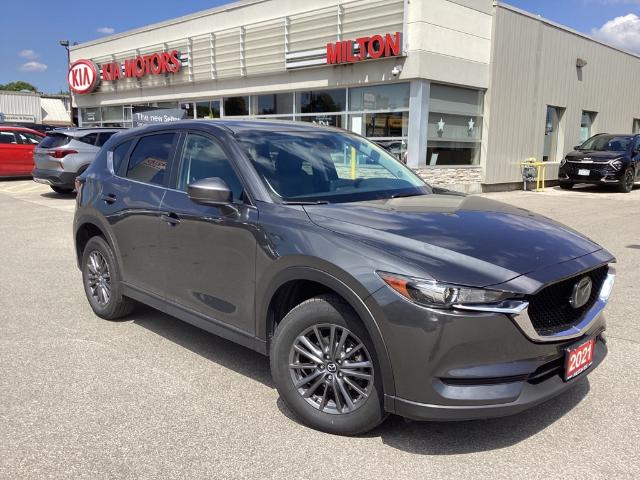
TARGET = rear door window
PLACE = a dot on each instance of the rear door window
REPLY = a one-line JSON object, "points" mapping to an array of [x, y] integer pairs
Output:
{"points": [[149, 159], [89, 139], [55, 140], [103, 137], [29, 138]]}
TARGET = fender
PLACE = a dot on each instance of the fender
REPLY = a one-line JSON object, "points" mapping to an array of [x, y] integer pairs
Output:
{"points": [[263, 298]]}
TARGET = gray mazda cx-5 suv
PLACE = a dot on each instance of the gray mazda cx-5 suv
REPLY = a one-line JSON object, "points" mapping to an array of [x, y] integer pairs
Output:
{"points": [[371, 291]]}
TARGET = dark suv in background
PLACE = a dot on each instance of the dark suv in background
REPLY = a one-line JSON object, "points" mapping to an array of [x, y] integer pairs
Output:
{"points": [[602, 160], [371, 291]]}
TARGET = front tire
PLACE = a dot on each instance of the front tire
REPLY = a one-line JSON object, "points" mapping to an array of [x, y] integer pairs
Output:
{"points": [[566, 185], [627, 180], [101, 280], [325, 368]]}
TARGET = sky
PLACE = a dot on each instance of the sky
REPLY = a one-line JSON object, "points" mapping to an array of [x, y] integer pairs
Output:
{"points": [[29, 36]]}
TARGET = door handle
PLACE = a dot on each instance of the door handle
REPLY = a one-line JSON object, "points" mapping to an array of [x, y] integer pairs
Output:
{"points": [[108, 198], [171, 218]]}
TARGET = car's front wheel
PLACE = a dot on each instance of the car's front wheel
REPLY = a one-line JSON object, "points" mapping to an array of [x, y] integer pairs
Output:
{"points": [[566, 185], [627, 180], [324, 366], [101, 280]]}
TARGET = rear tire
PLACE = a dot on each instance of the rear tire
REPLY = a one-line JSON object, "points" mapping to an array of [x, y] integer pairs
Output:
{"points": [[61, 190], [355, 406], [627, 180], [101, 280], [566, 185]]}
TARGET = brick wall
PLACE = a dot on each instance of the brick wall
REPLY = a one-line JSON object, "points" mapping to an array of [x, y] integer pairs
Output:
{"points": [[462, 179]]}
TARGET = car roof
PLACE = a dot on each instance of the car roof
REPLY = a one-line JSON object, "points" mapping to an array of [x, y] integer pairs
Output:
{"points": [[78, 132], [21, 129], [236, 126]]}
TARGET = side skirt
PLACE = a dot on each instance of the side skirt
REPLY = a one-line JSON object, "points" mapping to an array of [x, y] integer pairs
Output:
{"points": [[196, 319]]}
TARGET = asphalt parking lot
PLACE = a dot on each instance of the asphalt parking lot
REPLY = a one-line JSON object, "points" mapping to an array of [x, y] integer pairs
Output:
{"points": [[152, 397]]}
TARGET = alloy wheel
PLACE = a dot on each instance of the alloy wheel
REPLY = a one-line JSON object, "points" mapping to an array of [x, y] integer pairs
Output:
{"points": [[98, 278], [331, 369], [628, 179]]}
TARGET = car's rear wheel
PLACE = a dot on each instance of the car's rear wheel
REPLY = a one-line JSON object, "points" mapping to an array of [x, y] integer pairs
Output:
{"points": [[627, 180], [101, 280], [324, 366], [61, 190]]}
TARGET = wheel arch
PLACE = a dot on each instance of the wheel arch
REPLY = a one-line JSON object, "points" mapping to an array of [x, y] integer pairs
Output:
{"points": [[88, 227], [318, 282]]}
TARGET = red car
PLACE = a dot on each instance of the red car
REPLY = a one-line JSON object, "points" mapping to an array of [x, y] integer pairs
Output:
{"points": [[16, 150]]}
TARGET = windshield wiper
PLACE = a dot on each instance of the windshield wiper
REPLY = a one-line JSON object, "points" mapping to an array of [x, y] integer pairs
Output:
{"points": [[405, 195], [317, 202]]}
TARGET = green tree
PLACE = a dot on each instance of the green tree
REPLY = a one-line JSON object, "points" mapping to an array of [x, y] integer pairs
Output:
{"points": [[17, 86]]}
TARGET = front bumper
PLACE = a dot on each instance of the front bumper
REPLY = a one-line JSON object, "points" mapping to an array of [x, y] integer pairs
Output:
{"points": [[526, 394], [56, 178], [455, 365], [599, 174]]}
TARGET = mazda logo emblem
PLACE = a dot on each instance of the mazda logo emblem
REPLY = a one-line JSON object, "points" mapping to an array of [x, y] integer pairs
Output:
{"points": [[332, 368], [581, 293]]}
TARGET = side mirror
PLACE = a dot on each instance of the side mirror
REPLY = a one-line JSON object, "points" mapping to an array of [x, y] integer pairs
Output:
{"points": [[210, 191], [577, 147]]}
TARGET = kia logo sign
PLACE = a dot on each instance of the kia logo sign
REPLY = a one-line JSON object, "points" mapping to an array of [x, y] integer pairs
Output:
{"points": [[83, 77]]}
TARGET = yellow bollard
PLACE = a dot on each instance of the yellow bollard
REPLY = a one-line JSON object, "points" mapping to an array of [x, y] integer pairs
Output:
{"points": [[540, 172]]}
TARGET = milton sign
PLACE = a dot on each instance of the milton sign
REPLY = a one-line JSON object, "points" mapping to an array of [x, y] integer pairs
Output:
{"points": [[84, 75], [343, 52], [364, 48]]}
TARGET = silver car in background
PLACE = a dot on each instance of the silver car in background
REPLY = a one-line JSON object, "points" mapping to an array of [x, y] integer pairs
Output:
{"points": [[66, 153]]}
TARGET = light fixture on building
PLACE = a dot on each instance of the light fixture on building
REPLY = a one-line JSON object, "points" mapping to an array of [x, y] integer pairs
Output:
{"points": [[581, 62], [397, 70]]}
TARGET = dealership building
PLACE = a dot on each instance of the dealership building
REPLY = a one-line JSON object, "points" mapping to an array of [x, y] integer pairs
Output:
{"points": [[464, 90]]}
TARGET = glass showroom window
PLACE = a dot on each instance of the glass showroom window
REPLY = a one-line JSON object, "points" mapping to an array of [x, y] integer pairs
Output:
{"points": [[454, 131], [188, 106], [272, 104], [381, 113], [586, 122], [236, 106], [113, 116], [91, 117], [208, 109]]}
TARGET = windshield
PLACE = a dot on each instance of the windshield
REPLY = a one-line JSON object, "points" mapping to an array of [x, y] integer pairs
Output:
{"points": [[606, 143], [327, 166]]}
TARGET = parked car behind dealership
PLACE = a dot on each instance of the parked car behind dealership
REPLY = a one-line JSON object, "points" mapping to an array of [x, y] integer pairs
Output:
{"points": [[371, 292], [16, 150], [604, 159], [66, 153]]}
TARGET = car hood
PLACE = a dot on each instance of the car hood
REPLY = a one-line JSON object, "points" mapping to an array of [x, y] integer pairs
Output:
{"points": [[595, 156], [468, 240]]}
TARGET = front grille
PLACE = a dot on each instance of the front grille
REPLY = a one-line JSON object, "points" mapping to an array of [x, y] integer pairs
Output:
{"points": [[549, 309], [596, 170]]}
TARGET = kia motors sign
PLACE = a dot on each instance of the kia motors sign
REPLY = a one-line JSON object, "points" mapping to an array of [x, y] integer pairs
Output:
{"points": [[83, 77], [364, 48]]}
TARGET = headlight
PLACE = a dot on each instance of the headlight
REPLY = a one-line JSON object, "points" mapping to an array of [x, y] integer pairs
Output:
{"points": [[430, 293], [617, 163]]}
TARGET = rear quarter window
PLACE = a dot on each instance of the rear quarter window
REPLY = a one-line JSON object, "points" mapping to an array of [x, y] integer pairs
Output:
{"points": [[54, 140], [89, 139], [103, 137], [119, 155]]}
